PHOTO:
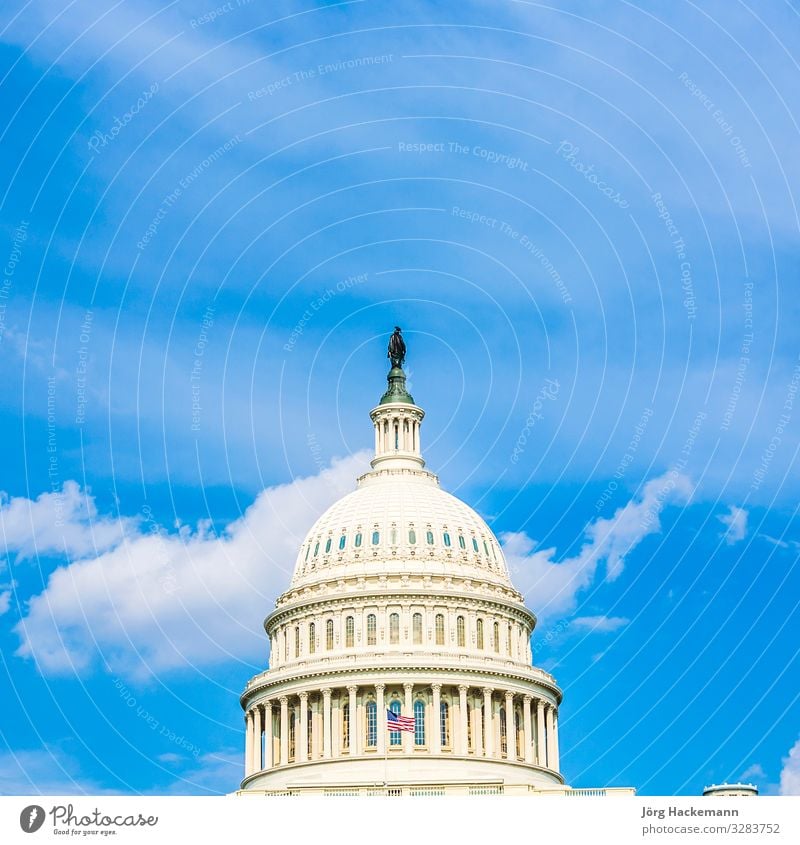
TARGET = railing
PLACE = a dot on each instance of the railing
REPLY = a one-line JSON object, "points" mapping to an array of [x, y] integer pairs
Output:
{"points": [[400, 660]]}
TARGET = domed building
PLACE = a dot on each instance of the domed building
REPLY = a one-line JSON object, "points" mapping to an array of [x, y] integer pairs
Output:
{"points": [[401, 614]]}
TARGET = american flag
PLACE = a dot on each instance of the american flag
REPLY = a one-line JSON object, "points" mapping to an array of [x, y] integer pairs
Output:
{"points": [[396, 722]]}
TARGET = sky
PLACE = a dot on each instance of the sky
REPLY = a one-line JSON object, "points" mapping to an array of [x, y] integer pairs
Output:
{"points": [[584, 217]]}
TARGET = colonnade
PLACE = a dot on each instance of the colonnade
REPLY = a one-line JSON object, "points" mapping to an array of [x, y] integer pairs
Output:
{"points": [[350, 721]]}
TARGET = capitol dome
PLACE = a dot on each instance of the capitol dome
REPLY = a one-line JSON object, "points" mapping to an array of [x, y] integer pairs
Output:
{"points": [[400, 659]]}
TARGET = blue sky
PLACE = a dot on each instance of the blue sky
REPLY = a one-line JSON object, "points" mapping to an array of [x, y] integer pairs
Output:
{"points": [[585, 220]]}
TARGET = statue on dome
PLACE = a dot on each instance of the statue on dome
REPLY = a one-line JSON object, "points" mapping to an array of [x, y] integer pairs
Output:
{"points": [[397, 348]]}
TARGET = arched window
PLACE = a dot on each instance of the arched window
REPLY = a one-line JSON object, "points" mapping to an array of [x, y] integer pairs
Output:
{"points": [[346, 727], [316, 548], [376, 537], [329, 634], [461, 541], [419, 722], [372, 724], [285, 649], [439, 629], [310, 732], [520, 736], [429, 537], [349, 632], [393, 537], [327, 545], [308, 549], [503, 731], [461, 632], [297, 641], [446, 538], [417, 627], [394, 736], [394, 628], [444, 723], [292, 733], [486, 548], [479, 633], [342, 542], [475, 544], [312, 638], [508, 640], [358, 540], [372, 629], [496, 637], [412, 536]]}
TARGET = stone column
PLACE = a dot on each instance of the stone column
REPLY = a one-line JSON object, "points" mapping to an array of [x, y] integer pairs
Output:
{"points": [[477, 727], [526, 722], [284, 730], [463, 730], [541, 748], [488, 728], [326, 723], [353, 726], [511, 728], [268, 750], [551, 751], [248, 743], [302, 754], [408, 738], [380, 717], [555, 739], [257, 738], [436, 726]]}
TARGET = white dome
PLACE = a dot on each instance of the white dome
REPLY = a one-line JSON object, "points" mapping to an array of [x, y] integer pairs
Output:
{"points": [[400, 521]]}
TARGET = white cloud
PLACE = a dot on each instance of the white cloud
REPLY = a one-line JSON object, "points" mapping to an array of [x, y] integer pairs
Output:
{"points": [[159, 601], [600, 624], [5, 601], [217, 773], [61, 522], [43, 772], [755, 771], [735, 522], [790, 773], [553, 585]]}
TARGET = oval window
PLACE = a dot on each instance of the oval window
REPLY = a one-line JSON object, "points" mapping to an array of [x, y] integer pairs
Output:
{"points": [[429, 538], [475, 544], [461, 541], [342, 542], [327, 545], [358, 540], [316, 549], [412, 536], [446, 538], [376, 538], [393, 536]]}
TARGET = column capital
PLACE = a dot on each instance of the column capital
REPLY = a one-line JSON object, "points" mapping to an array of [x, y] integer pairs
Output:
{"points": [[436, 687], [527, 699], [284, 699], [488, 691], [408, 687], [303, 696], [327, 693], [352, 689], [379, 688], [463, 688]]}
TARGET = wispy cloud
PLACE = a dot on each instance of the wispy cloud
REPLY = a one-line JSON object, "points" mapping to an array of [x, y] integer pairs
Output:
{"points": [[599, 624], [735, 522], [554, 584]]}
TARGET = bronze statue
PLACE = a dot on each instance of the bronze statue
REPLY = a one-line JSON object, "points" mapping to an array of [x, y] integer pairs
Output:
{"points": [[397, 348]]}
